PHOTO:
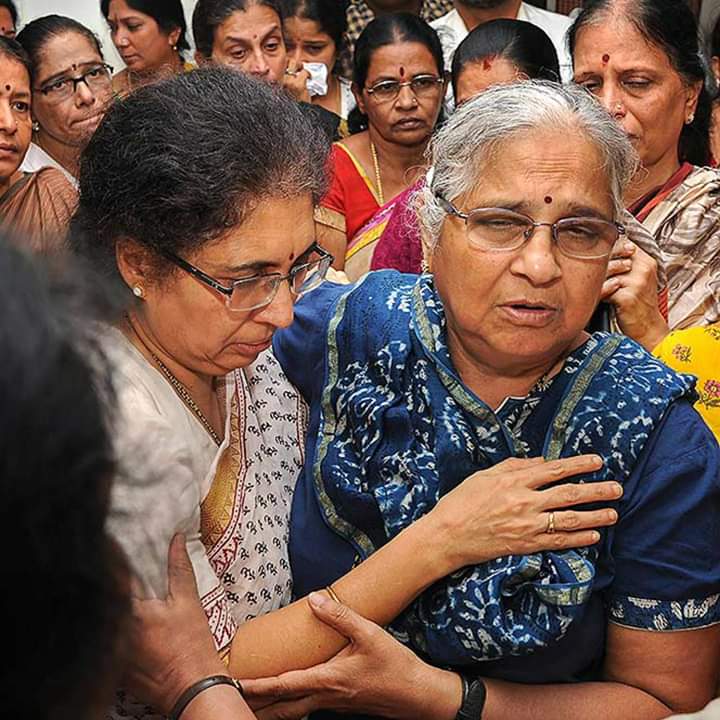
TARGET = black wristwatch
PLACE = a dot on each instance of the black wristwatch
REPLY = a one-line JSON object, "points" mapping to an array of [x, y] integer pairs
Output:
{"points": [[473, 700]]}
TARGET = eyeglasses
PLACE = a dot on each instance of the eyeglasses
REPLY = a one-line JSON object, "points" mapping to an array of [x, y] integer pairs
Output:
{"points": [[501, 230], [421, 86], [260, 290], [97, 78]]}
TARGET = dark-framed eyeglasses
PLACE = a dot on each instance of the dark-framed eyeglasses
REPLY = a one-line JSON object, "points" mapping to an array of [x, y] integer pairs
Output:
{"points": [[260, 290], [96, 78], [501, 230], [421, 86]]}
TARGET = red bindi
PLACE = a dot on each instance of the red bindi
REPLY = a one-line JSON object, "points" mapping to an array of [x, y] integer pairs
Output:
{"points": [[402, 71], [487, 64], [606, 58], [548, 199]]}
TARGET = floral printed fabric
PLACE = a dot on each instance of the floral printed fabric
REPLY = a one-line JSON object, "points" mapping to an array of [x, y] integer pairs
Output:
{"points": [[697, 351], [398, 430]]}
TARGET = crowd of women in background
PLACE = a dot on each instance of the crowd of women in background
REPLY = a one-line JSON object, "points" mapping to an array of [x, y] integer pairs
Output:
{"points": [[404, 315]]}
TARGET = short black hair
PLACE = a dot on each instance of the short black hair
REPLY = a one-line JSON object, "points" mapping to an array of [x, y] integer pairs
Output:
{"points": [[36, 34], [671, 26], [168, 14], [13, 50], [177, 163], [210, 14], [10, 5], [523, 44], [67, 584]]}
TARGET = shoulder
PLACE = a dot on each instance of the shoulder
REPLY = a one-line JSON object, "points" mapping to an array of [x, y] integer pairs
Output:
{"points": [[550, 22], [54, 188]]}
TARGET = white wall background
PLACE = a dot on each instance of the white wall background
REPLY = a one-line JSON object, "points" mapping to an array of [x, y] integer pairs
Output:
{"points": [[88, 13]]}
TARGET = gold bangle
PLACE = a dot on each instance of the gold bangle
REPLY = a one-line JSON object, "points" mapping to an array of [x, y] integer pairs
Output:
{"points": [[333, 595]]}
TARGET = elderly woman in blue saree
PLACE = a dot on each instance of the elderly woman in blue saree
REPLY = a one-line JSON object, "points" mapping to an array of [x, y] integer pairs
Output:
{"points": [[420, 387], [415, 383]]}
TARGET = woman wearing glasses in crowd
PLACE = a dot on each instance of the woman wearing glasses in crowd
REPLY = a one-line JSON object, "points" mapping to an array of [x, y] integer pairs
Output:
{"points": [[37, 205], [214, 255], [399, 84], [72, 87], [150, 37]]}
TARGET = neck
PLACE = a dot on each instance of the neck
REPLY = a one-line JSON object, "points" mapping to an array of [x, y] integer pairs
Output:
{"points": [[493, 384], [472, 17], [62, 153], [650, 177], [173, 65], [201, 387], [396, 158], [411, 6]]}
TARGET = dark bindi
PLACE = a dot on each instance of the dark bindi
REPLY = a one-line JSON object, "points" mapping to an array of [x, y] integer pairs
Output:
{"points": [[548, 199], [402, 72], [292, 257], [8, 88], [605, 59]]}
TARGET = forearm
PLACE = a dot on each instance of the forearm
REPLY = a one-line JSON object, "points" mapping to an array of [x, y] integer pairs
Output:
{"points": [[378, 589], [598, 700]]}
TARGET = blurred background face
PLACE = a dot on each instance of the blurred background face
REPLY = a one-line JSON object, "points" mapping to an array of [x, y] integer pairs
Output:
{"points": [[408, 118], [252, 42], [70, 117], [141, 42], [15, 119], [7, 26], [478, 76], [307, 43]]}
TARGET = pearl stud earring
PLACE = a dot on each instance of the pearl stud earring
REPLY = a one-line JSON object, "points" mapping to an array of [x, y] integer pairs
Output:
{"points": [[138, 292]]}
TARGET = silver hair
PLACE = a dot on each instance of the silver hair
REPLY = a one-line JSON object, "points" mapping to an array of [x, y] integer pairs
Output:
{"points": [[478, 130]]}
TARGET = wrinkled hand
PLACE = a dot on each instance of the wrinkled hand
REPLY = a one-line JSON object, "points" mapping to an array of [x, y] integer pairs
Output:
{"points": [[632, 288], [502, 511], [171, 644], [374, 674], [295, 81]]}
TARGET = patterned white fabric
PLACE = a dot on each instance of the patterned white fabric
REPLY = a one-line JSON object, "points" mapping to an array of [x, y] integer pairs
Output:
{"points": [[232, 502]]}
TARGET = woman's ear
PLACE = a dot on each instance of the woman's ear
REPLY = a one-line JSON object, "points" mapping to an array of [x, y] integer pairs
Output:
{"points": [[359, 99], [691, 101], [174, 37], [133, 261]]}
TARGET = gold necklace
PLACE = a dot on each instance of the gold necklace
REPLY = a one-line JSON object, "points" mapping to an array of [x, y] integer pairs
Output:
{"points": [[378, 179], [180, 390]]}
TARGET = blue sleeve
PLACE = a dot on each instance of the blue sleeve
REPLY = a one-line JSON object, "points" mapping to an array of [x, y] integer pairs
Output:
{"points": [[300, 348], [666, 546]]}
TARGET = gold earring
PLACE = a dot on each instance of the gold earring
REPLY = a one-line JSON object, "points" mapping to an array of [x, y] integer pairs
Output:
{"points": [[138, 292]]}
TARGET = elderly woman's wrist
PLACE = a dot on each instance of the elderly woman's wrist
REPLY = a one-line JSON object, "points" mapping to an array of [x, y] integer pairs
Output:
{"points": [[437, 540]]}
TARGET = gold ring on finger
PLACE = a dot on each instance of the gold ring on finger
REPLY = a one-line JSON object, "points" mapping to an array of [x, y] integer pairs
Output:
{"points": [[551, 523]]}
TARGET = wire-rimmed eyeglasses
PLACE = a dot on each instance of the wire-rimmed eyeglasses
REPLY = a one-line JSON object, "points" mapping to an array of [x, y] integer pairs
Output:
{"points": [[501, 230], [260, 290]]}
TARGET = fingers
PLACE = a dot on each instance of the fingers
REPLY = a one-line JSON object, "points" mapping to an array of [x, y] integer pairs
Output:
{"points": [[573, 520], [545, 473], [181, 577], [340, 618], [619, 267], [292, 66], [566, 541], [288, 686], [624, 250], [288, 710], [571, 494], [609, 288]]}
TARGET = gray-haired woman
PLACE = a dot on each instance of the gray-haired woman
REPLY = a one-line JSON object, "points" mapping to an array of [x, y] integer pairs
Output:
{"points": [[205, 219], [415, 383]]}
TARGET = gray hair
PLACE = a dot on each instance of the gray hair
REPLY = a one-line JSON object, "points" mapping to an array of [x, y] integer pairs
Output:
{"points": [[481, 126]]}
